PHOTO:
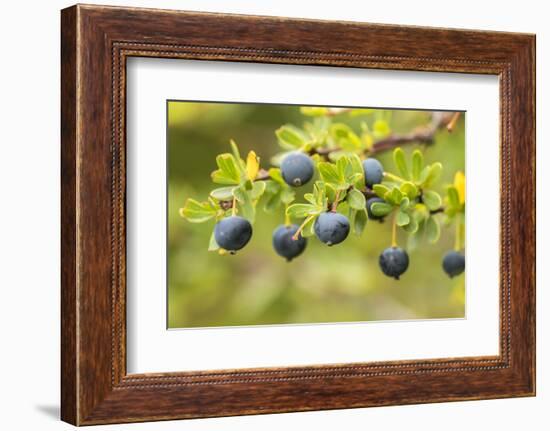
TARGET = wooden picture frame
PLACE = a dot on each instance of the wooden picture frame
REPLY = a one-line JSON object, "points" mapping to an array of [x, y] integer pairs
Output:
{"points": [[96, 41]]}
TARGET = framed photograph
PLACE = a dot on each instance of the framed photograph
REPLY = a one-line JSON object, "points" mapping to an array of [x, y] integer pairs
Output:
{"points": [[284, 220]]}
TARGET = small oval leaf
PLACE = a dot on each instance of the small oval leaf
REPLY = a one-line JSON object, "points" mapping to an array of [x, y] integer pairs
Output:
{"points": [[356, 200], [402, 219], [400, 162], [300, 210], [453, 197], [223, 193], [417, 164], [432, 230], [381, 209], [431, 199]]}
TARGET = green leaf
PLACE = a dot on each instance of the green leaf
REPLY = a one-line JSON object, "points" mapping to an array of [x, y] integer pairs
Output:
{"points": [[381, 209], [432, 230], [430, 174], [197, 212], [272, 187], [356, 200], [402, 218], [357, 169], [319, 193], [380, 190], [246, 204], [335, 155], [420, 212], [411, 227], [404, 204], [310, 197], [431, 199], [345, 137], [275, 175], [273, 201], [258, 189], [222, 193], [290, 137], [301, 210], [343, 167], [228, 172], [287, 195], [355, 180], [237, 155], [417, 164], [394, 196], [415, 238], [356, 165], [212, 244], [248, 184], [409, 189], [330, 192], [400, 162], [358, 219], [453, 197], [329, 173], [347, 171], [277, 195]]}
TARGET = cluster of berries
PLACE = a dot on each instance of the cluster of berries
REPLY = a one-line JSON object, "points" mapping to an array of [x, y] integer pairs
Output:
{"points": [[331, 227]]}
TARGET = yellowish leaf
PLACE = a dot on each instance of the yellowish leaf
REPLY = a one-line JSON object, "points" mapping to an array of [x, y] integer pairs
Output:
{"points": [[460, 185], [252, 165]]}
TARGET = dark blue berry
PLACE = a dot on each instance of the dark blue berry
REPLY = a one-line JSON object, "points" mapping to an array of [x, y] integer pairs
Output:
{"points": [[285, 245], [369, 210], [394, 261], [374, 172], [454, 263], [331, 228], [233, 233], [297, 169]]}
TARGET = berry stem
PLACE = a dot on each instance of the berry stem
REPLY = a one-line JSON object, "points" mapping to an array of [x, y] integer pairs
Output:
{"points": [[451, 125], [394, 231], [234, 206], [287, 217], [457, 235], [394, 177], [301, 228], [335, 203]]}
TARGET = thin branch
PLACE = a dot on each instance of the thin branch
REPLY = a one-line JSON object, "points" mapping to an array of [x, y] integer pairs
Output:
{"points": [[421, 135], [451, 125], [301, 228], [424, 135], [334, 205]]}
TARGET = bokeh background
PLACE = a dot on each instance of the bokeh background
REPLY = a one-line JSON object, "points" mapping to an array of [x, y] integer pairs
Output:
{"points": [[255, 287]]}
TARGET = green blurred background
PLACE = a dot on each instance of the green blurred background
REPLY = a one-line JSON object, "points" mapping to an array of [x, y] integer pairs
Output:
{"points": [[256, 286]]}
